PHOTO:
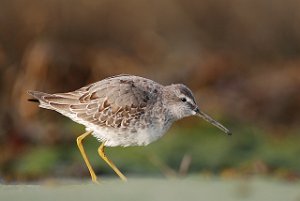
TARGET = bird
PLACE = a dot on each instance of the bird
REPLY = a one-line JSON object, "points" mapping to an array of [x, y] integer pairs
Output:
{"points": [[123, 110]]}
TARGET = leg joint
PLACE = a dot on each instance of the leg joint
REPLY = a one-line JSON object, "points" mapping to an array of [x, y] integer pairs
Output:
{"points": [[81, 137]]}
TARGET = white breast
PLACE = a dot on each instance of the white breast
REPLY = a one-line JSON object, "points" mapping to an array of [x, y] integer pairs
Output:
{"points": [[116, 137], [113, 137]]}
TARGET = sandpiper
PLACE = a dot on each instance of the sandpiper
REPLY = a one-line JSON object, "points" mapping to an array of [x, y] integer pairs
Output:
{"points": [[124, 110]]}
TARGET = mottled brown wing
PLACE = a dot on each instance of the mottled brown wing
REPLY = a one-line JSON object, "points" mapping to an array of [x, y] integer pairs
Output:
{"points": [[113, 102]]}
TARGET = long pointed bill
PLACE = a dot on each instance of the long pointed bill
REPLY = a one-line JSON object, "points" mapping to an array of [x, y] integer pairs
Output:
{"points": [[213, 122]]}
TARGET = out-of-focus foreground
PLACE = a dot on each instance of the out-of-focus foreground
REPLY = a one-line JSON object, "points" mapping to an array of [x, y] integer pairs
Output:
{"points": [[241, 59], [155, 189]]}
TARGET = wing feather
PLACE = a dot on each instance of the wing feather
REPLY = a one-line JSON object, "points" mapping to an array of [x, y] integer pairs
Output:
{"points": [[112, 102]]}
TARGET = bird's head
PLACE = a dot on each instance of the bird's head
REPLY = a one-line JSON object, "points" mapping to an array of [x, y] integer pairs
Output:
{"points": [[181, 103]]}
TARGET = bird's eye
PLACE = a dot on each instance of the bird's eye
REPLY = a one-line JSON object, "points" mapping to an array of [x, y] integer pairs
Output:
{"points": [[183, 99]]}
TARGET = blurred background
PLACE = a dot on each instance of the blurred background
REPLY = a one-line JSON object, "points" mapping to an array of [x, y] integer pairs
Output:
{"points": [[240, 58]]}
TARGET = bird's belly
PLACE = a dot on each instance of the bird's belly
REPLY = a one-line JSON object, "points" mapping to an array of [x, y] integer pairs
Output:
{"points": [[117, 137]]}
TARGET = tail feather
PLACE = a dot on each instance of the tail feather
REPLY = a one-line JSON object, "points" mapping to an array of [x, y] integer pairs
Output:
{"points": [[39, 97], [59, 101], [33, 100]]}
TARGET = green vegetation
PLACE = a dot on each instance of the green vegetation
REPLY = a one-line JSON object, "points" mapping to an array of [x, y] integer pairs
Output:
{"points": [[248, 151]]}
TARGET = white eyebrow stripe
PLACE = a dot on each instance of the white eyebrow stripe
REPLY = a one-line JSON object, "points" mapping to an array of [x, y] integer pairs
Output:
{"points": [[189, 100]]}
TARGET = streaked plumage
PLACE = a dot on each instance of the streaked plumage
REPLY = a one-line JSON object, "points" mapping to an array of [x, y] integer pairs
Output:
{"points": [[125, 110]]}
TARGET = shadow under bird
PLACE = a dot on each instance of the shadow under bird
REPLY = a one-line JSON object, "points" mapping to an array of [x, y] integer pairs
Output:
{"points": [[124, 110]]}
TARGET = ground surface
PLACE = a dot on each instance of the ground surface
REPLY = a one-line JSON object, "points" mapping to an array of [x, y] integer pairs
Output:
{"points": [[155, 189]]}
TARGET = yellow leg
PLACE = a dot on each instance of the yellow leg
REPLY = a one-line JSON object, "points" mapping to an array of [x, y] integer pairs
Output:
{"points": [[110, 163], [86, 160]]}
